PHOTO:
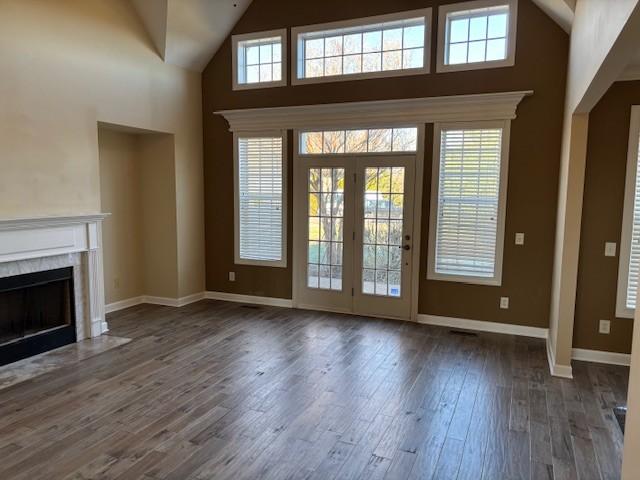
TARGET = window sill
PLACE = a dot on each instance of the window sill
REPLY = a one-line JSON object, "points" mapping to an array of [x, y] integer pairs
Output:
{"points": [[443, 277]]}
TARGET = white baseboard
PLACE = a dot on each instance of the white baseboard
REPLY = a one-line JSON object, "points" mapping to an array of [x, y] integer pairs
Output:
{"points": [[598, 356], [166, 301], [482, 326], [234, 297], [122, 304], [564, 371]]}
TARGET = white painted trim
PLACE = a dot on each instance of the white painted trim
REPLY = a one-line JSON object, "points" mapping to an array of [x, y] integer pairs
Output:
{"points": [[122, 304], [282, 263], [454, 108], [564, 371], [354, 25], [598, 356], [444, 10], [622, 311], [165, 301], [37, 238], [238, 298], [496, 280], [482, 326], [235, 39], [416, 239]]}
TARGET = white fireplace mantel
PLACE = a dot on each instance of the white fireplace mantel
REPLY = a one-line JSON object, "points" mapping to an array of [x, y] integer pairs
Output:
{"points": [[26, 239]]}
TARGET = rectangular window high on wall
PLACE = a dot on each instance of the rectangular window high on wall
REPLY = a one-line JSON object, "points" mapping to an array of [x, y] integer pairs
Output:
{"points": [[260, 208], [630, 241], [477, 34], [382, 46], [468, 202], [259, 59]]}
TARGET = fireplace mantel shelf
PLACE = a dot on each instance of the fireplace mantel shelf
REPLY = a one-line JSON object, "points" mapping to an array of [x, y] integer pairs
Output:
{"points": [[39, 222]]}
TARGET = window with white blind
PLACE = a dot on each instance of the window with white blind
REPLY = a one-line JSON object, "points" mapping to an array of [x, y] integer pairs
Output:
{"points": [[260, 210], [259, 59], [477, 34], [380, 46], [630, 240], [468, 202]]}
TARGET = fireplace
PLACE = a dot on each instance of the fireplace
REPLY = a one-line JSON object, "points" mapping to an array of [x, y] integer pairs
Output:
{"points": [[37, 313]]}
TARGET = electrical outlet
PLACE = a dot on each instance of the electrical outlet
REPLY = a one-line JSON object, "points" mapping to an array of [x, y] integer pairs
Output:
{"points": [[232, 276], [605, 327], [519, 238], [504, 303], [610, 249]]}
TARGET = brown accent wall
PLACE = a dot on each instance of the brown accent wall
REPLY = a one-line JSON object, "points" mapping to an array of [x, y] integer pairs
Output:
{"points": [[602, 210], [541, 58]]}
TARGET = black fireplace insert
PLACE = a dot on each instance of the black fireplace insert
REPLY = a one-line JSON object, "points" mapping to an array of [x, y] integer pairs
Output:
{"points": [[37, 313]]}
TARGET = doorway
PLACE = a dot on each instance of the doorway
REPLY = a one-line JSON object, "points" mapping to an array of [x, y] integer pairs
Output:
{"points": [[353, 233]]}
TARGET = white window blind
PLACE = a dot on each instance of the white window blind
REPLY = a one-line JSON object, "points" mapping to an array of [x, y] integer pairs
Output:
{"points": [[260, 202], [468, 202], [634, 255]]}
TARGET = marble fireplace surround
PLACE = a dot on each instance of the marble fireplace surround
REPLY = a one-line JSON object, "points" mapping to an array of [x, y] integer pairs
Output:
{"points": [[38, 244]]}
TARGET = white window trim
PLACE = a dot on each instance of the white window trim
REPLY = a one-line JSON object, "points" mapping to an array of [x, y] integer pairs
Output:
{"points": [[443, 10], [296, 31], [282, 263], [235, 39], [622, 311], [496, 280]]}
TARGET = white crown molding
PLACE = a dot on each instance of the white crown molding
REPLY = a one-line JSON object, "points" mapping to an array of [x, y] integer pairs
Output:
{"points": [[234, 297], [598, 356], [455, 108], [39, 222], [481, 326]]}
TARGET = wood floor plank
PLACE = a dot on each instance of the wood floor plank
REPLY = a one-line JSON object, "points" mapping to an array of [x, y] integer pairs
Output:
{"points": [[230, 391]]}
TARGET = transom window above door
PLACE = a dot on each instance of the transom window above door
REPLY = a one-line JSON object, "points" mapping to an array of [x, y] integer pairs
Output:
{"points": [[358, 141], [386, 45]]}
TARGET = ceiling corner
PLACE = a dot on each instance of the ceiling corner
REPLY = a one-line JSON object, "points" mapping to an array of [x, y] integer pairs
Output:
{"points": [[561, 11]]}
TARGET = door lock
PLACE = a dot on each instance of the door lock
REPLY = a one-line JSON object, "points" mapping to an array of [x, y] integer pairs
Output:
{"points": [[407, 247]]}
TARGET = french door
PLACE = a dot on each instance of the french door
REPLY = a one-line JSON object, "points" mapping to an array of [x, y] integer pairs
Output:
{"points": [[352, 234]]}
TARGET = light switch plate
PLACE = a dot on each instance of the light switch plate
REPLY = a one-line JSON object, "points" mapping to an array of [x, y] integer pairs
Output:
{"points": [[232, 276], [605, 327], [610, 249], [519, 238], [504, 303]]}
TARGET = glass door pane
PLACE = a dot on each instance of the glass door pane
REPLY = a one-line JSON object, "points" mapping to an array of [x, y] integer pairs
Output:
{"points": [[382, 231], [325, 246]]}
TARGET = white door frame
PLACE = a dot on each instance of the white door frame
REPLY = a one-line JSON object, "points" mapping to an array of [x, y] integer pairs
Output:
{"points": [[299, 253]]}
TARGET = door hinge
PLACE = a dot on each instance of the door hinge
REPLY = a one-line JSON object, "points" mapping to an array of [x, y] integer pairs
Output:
{"points": [[354, 235], [352, 291], [354, 178]]}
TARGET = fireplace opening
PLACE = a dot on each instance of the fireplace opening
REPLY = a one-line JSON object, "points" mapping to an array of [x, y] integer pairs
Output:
{"points": [[37, 313]]}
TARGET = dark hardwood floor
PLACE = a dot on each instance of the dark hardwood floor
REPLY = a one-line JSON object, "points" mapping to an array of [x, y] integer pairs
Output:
{"points": [[222, 390]]}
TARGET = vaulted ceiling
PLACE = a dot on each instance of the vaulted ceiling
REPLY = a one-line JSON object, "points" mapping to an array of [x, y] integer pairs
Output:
{"points": [[187, 33]]}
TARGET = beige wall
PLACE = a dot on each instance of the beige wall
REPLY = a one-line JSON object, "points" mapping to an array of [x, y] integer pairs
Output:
{"points": [[67, 65], [631, 459], [122, 231], [158, 215]]}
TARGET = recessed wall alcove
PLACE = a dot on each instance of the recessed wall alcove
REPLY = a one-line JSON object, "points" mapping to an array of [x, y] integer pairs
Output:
{"points": [[138, 189]]}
